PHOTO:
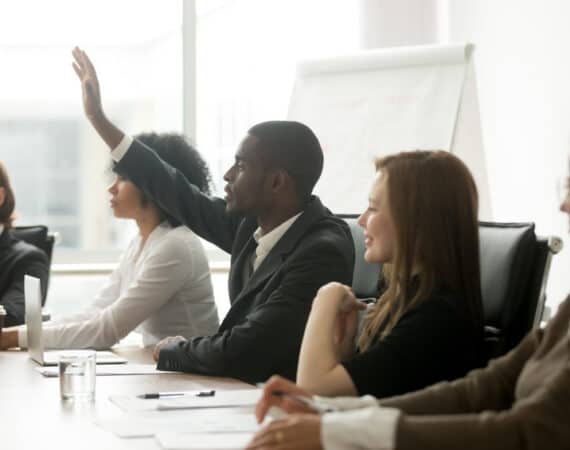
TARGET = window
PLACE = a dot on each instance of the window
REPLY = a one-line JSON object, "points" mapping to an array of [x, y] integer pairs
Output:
{"points": [[246, 55], [58, 165], [246, 52]]}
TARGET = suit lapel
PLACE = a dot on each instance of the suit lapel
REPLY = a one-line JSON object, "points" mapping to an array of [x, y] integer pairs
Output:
{"points": [[274, 260]]}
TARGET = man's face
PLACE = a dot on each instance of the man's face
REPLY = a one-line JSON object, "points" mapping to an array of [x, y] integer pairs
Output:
{"points": [[245, 188]]}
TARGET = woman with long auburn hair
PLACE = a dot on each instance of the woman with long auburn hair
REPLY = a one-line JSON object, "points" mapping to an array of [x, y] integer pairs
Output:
{"points": [[427, 325], [519, 401]]}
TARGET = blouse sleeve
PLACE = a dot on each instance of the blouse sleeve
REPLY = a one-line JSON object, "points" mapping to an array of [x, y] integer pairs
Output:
{"points": [[164, 272]]}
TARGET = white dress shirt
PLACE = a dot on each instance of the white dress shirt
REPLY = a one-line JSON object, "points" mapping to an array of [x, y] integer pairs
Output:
{"points": [[162, 289], [358, 423], [265, 242]]}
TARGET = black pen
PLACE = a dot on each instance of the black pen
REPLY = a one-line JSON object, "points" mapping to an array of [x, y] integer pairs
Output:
{"points": [[152, 395]]}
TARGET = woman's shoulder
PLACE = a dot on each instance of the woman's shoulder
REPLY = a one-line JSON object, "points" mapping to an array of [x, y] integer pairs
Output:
{"points": [[177, 240]]}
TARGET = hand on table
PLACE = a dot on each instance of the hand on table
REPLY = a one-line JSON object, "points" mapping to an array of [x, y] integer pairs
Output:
{"points": [[299, 431], [287, 404], [166, 341], [9, 338]]}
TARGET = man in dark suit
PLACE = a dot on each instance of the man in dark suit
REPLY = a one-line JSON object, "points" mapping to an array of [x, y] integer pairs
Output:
{"points": [[17, 258], [284, 243]]}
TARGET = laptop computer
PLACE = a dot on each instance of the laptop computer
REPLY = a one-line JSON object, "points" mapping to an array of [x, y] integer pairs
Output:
{"points": [[33, 300]]}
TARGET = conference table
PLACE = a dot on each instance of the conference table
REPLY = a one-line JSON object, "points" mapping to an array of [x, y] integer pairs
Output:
{"points": [[32, 415]]}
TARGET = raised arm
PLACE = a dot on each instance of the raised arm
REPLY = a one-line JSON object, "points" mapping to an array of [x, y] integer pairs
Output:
{"points": [[91, 94], [168, 187]]}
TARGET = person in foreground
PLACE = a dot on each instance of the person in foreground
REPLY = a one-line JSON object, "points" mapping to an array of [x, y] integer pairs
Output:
{"points": [[162, 284], [16, 258], [284, 243], [427, 325], [519, 401]]}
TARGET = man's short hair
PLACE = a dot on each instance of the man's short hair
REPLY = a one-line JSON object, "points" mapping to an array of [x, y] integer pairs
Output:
{"points": [[294, 147]]}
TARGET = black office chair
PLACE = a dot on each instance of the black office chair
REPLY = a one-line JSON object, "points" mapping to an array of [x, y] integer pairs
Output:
{"points": [[515, 264], [38, 236], [366, 276]]}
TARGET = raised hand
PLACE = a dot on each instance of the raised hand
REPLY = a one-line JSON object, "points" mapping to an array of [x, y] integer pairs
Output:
{"points": [[286, 403], [85, 71], [92, 99]]}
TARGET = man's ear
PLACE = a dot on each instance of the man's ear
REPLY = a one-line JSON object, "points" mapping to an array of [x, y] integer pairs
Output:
{"points": [[2, 195], [280, 180]]}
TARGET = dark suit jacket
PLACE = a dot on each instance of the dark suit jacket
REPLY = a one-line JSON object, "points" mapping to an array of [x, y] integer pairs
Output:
{"points": [[261, 334], [17, 258]]}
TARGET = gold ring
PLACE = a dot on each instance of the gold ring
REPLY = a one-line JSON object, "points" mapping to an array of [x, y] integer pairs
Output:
{"points": [[279, 436]]}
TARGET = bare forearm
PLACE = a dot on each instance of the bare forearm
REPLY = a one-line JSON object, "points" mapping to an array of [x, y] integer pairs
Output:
{"points": [[318, 354], [107, 130]]}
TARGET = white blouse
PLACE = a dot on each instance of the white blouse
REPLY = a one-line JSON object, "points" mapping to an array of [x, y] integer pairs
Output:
{"points": [[162, 289]]}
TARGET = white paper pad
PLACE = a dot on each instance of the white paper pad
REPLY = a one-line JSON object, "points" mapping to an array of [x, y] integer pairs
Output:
{"points": [[219, 420], [241, 397], [202, 441], [115, 369]]}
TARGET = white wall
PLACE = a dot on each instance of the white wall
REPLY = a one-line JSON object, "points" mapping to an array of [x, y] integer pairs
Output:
{"points": [[523, 69]]}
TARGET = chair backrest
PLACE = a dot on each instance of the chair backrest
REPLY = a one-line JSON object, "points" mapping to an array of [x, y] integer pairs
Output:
{"points": [[38, 236], [366, 276], [514, 269]]}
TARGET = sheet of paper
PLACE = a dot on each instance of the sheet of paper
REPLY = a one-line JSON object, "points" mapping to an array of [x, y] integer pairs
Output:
{"points": [[111, 369], [134, 404], [241, 397], [203, 441], [219, 420]]}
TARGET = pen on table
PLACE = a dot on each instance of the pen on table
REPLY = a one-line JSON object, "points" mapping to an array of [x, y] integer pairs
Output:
{"points": [[153, 395], [310, 403]]}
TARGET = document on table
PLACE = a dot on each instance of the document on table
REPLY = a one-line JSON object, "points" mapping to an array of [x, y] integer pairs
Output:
{"points": [[203, 441], [218, 420], [239, 397], [111, 369]]}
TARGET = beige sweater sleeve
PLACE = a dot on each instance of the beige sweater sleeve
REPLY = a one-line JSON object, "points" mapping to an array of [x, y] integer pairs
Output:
{"points": [[536, 423]]}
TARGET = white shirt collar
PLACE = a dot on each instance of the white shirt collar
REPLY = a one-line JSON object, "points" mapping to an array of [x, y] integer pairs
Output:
{"points": [[266, 242]]}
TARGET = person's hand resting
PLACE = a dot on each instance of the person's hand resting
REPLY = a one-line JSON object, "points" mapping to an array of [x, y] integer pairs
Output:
{"points": [[277, 384], [166, 341], [299, 431]]}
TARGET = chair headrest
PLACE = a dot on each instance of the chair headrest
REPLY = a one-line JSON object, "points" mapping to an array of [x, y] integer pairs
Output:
{"points": [[507, 251], [34, 234], [366, 275]]}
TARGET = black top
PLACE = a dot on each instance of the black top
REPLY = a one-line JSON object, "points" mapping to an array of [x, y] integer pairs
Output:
{"points": [[431, 343], [262, 332], [18, 258]]}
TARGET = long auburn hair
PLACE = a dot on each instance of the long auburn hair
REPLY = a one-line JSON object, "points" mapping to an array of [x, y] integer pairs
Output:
{"points": [[7, 208], [433, 202]]}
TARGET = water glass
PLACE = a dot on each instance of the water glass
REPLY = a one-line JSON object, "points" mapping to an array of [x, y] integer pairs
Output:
{"points": [[77, 374]]}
